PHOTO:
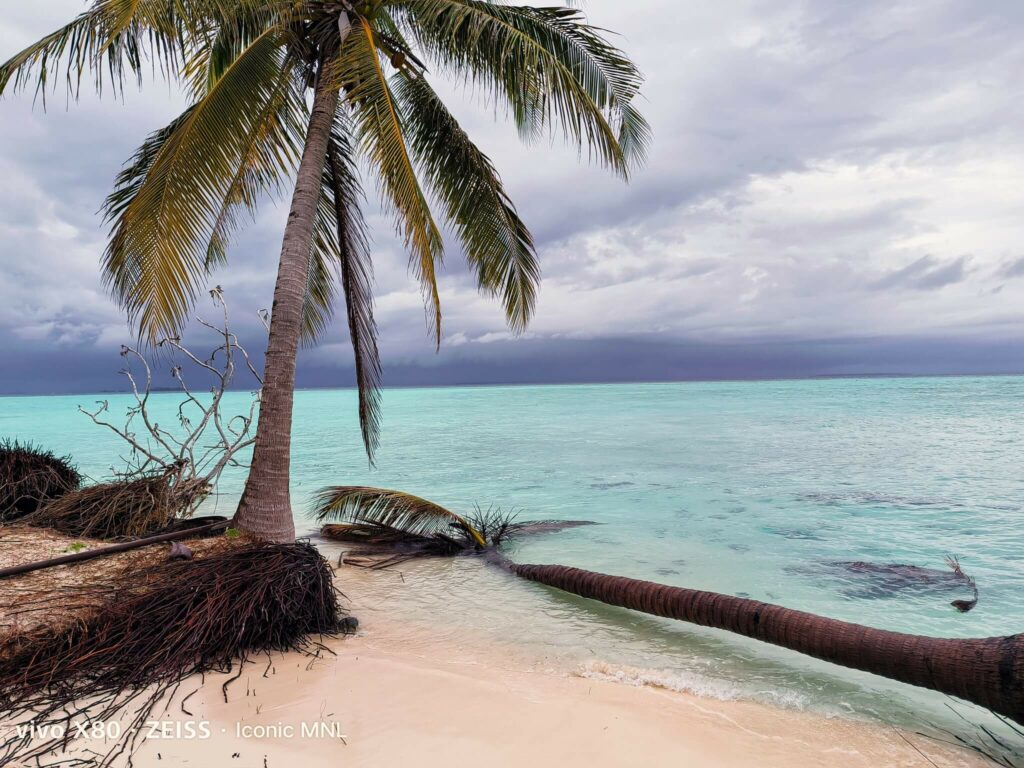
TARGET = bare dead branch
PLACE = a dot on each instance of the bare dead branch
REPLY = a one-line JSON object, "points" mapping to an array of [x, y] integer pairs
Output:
{"points": [[205, 441]]}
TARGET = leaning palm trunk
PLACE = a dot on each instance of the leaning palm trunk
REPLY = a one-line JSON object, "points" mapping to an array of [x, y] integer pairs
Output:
{"points": [[246, 68], [987, 671], [265, 508]]}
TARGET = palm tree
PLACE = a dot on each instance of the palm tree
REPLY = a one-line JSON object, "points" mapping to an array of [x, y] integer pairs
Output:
{"points": [[392, 526], [248, 67]]}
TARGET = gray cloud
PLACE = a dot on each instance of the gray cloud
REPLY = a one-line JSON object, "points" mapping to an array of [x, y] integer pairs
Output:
{"points": [[1013, 268], [926, 273], [819, 170]]}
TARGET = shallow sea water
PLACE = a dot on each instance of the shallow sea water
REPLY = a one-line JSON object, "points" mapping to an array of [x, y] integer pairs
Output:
{"points": [[760, 489]]}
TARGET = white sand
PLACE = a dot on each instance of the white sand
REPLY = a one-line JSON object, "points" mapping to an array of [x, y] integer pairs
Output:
{"points": [[402, 693], [438, 706]]}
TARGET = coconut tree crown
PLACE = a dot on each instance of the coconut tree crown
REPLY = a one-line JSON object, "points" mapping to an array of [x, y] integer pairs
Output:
{"points": [[247, 67]]}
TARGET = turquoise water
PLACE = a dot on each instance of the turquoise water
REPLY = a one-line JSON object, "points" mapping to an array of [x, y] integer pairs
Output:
{"points": [[752, 488]]}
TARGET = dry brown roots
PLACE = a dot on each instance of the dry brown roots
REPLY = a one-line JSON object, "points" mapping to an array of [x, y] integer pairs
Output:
{"points": [[26, 600], [120, 509], [150, 629], [30, 477]]}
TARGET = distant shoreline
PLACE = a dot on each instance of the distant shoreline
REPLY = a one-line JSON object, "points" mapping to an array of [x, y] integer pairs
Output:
{"points": [[580, 383]]}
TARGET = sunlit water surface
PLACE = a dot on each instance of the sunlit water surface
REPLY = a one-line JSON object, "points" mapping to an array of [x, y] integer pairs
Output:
{"points": [[759, 489]]}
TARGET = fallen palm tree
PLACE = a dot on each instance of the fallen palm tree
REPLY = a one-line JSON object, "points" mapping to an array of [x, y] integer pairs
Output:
{"points": [[30, 477], [151, 628], [985, 671]]}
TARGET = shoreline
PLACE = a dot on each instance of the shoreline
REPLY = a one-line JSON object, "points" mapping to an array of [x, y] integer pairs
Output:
{"points": [[415, 687], [370, 700]]}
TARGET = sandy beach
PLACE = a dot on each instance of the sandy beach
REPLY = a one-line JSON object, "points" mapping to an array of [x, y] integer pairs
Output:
{"points": [[404, 689], [376, 703]]}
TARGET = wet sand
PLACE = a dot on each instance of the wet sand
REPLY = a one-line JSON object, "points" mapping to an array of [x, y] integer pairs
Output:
{"points": [[380, 703]]}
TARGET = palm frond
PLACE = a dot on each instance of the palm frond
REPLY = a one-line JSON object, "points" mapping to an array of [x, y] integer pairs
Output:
{"points": [[381, 546], [227, 30], [379, 133], [163, 224], [322, 275], [115, 39], [340, 249], [372, 534], [496, 241], [269, 156], [497, 525], [391, 509], [133, 173], [80, 46], [547, 64], [356, 281]]}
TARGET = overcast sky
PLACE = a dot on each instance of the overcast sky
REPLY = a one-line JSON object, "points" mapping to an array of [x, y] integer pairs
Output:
{"points": [[834, 187]]}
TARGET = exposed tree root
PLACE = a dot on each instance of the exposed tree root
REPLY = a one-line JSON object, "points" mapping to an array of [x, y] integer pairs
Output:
{"points": [[149, 629], [30, 477]]}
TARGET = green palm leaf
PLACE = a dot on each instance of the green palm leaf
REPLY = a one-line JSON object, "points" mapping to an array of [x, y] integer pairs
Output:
{"points": [[549, 65], [160, 247], [394, 510], [379, 133], [356, 281], [79, 46], [321, 279], [496, 241], [269, 155]]}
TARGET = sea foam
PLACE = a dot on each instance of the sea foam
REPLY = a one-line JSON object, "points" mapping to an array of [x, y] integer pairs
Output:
{"points": [[688, 682]]}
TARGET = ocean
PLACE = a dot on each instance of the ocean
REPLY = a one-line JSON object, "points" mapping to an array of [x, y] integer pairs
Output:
{"points": [[765, 489]]}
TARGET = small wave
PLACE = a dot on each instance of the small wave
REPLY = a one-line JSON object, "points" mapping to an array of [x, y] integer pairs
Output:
{"points": [[688, 682]]}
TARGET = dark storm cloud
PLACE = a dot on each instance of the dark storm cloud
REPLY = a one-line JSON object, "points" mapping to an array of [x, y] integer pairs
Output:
{"points": [[580, 361], [819, 171]]}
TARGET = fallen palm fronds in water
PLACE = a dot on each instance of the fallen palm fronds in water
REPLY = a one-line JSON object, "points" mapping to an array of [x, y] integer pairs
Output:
{"points": [[30, 477], [123, 508], [376, 514], [865, 580], [150, 628], [393, 527]]}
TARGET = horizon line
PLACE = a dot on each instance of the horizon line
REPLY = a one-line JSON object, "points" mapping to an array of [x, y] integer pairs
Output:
{"points": [[571, 383]]}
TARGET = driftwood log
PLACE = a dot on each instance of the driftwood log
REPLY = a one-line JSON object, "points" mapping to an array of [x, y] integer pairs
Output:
{"points": [[113, 549]]}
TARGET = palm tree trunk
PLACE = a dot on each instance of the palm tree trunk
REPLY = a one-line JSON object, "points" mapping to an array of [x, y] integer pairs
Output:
{"points": [[265, 509], [986, 671]]}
